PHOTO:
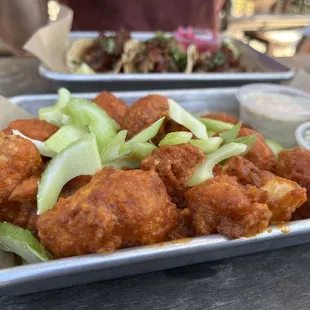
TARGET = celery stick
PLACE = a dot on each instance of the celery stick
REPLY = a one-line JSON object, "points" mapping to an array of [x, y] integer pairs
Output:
{"points": [[249, 141], [181, 116], [231, 133], [141, 150], [275, 147], [207, 146], [85, 113], [79, 158], [204, 171], [64, 136], [174, 138], [148, 133], [55, 114], [43, 149], [22, 242], [113, 151], [215, 125]]}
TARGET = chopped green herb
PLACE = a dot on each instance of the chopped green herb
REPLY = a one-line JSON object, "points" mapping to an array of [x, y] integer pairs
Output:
{"points": [[108, 44]]}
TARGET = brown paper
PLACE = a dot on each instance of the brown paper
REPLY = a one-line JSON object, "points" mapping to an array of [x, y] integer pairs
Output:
{"points": [[50, 43], [10, 111]]}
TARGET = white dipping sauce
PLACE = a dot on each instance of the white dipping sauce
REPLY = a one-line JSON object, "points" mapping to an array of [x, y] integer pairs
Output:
{"points": [[276, 115]]}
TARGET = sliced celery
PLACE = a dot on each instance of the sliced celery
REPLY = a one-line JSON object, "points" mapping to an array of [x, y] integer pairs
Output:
{"points": [[55, 114], [204, 171], [148, 133], [249, 141], [85, 113], [207, 146], [43, 149], [231, 133], [64, 136], [215, 125], [141, 150], [84, 69], [126, 162], [275, 147], [174, 138], [181, 116], [113, 151], [79, 158], [21, 242]]}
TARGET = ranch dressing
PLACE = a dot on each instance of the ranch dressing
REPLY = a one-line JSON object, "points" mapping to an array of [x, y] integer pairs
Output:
{"points": [[274, 113]]}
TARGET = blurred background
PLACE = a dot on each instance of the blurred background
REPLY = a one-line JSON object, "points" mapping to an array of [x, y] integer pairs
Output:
{"points": [[278, 28]]}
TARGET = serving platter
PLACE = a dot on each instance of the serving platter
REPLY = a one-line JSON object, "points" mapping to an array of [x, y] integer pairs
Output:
{"points": [[262, 68], [91, 268]]}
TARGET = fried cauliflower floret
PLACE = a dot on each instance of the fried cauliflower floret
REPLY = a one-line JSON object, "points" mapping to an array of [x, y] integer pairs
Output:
{"points": [[295, 165], [115, 107], [246, 172], [26, 191], [174, 165], [184, 228], [20, 214], [223, 205], [74, 185], [116, 209], [19, 160], [144, 113], [284, 196], [32, 128], [260, 154], [20, 164]]}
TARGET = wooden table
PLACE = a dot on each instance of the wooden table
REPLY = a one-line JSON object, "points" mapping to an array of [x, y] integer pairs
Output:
{"points": [[266, 281]]}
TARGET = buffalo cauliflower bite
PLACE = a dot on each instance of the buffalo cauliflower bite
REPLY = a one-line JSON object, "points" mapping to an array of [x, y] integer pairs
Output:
{"points": [[19, 160], [174, 165], [223, 205], [246, 172], [116, 209], [20, 214], [115, 107], [284, 196], [32, 128], [260, 154], [144, 113], [295, 165], [184, 228], [26, 191]]}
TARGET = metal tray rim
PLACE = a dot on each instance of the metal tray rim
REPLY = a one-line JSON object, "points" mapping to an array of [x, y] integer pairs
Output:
{"points": [[250, 76], [227, 90], [71, 265]]}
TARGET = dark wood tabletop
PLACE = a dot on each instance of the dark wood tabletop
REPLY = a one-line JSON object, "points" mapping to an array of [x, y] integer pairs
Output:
{"points": [[276, 280], [266, 281]]}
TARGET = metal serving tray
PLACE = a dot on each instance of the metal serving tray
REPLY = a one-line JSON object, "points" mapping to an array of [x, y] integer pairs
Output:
{"points": [[263, 69], [91, 268]]}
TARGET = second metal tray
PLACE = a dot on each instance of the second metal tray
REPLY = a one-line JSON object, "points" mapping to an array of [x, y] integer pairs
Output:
{"points": [[91, 268], [262, 69]]}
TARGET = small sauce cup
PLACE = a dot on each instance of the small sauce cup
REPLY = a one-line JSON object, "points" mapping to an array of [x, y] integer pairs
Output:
{"points": [[275, 111]]}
